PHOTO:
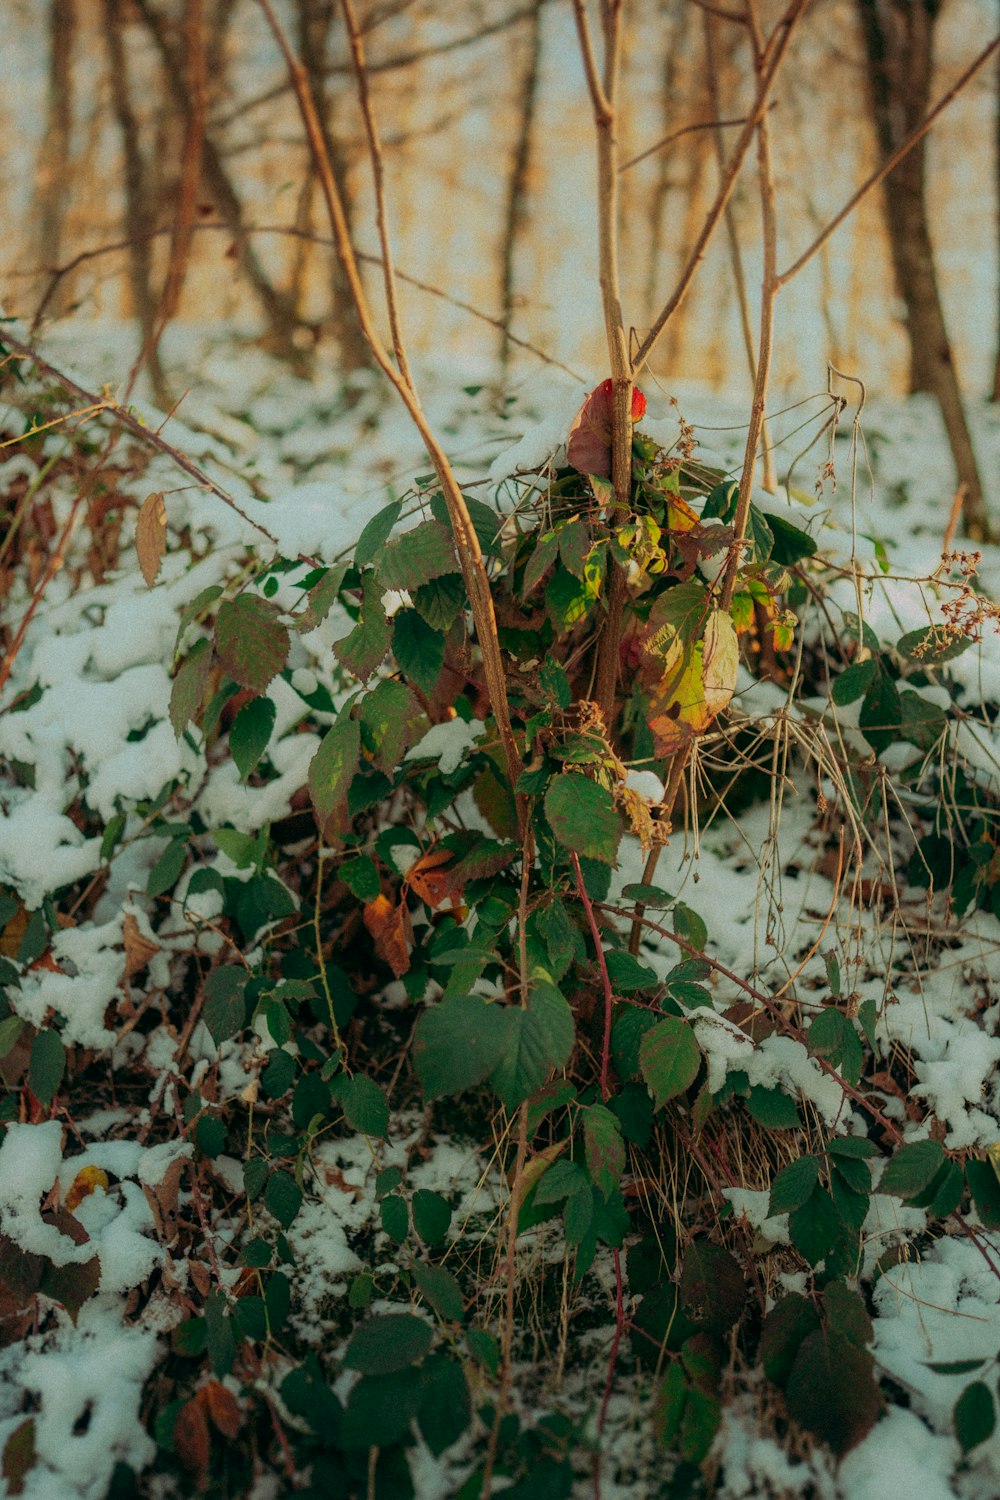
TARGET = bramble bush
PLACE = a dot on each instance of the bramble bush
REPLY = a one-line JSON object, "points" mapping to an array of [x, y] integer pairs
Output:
{"points": [[421, 931]]}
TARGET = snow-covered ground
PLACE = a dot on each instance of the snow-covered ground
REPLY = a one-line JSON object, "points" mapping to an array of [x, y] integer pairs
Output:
{"points": [[85, 717]]}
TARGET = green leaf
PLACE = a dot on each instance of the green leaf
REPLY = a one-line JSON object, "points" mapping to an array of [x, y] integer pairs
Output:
{"points": [[282, 1197], [985, 1190], [380, 1409], [10, 1031], [648, 895], [793, 1185], [361, 877], [431, 1216], [440, 1288], [831, 1390], [279, 1074], [853, 682], [791, 544], [583, 818], [387, 1343], [857, 1146], [445, 1410], [418, 649], [975, 1416], [395, 1217], [166, 872], [365, 647], [388, 714], [441, 601], [542, 558], [772, 1108], [320, 599], [912, 1169], [788, 1323], [627, 973], [219, 1336], [376, 533], [187, 691], [250, 733], [604, 1147], [954, 1366], [459, 1043], [424, 553], [251, 641], [46, 1066], [669, 1059], [541, 1038], [224, 1011], [331, 771], [364, 1105], [254, 1177], [881, 714], [932, 645], [815, 1226]]}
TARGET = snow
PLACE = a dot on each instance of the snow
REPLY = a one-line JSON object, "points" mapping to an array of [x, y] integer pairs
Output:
{"points": [[96, 733]]}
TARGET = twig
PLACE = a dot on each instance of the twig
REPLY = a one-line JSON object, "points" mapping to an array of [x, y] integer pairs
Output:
{"points": [[612, 1363], [781, 39], [123, 416], [466, 541], [675, 135], [605, 977], [891, 162]]}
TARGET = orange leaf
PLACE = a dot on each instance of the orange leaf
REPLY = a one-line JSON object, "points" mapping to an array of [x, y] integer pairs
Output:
{"points": [[223, 1407], [431, 882], [192, 1442], [10, 939], [86, 1181], [390, 927], [151, 536]]}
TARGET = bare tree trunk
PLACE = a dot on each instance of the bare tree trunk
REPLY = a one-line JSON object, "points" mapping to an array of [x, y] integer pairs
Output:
{"points": [[138, 200], [278, 310], [314, 23], [899, 42], [52, 177], [516, 210]]}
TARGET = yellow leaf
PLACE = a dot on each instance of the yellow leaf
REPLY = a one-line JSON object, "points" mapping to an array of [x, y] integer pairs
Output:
{"points": [[86, 1181]]}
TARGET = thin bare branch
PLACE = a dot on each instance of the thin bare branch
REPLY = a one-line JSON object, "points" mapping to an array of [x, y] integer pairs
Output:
{"points": [[466, 541], [378, 177], [782, 37], [675, 135], [891, 162]]}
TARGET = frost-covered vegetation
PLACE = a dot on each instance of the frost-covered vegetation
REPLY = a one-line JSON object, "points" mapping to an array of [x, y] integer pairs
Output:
{"points": [[373, 1125]]}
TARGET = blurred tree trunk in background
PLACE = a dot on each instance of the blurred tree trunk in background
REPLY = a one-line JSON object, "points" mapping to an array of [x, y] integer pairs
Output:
{"points": [[277, 307], [899, 43], [315, 18], [53, 177], [139, 216], [516, 207]]}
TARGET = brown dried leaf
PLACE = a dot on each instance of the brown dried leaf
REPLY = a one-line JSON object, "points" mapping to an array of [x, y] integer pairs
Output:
{"points": [[431, 882], [390, 927], [192, 1442], [139, 949], [223, 1407], [162, 1200], [151, 536], [19, 1456]]}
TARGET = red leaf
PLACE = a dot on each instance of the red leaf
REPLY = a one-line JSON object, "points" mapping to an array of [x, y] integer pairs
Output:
{"points": [[589, 448]]}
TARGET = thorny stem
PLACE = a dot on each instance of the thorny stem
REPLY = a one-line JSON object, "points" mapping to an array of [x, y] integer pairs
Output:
{"points": [[595, 933], [666, 812], [510, 1274]]}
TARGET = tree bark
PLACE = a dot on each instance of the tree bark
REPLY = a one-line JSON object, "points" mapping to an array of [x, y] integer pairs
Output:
{"points": [[516, 210], [52, 184], [899, 45]]}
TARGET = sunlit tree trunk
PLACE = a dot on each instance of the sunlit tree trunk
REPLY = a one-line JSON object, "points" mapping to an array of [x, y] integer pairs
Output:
{"points": [[899, 43], [996, 128], [52, 177], [516, 207]]}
